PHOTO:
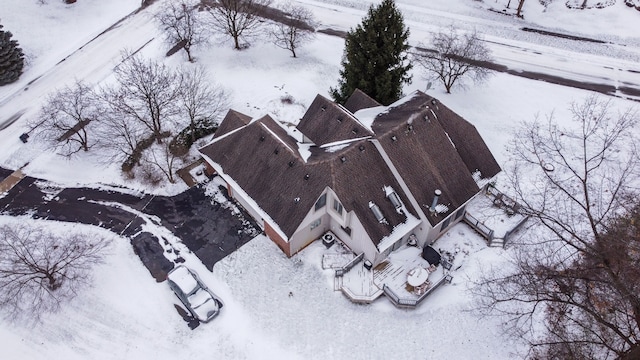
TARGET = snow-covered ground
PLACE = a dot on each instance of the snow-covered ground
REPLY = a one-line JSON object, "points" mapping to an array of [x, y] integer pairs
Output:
{"points": [[275, 308], [127, 315]]}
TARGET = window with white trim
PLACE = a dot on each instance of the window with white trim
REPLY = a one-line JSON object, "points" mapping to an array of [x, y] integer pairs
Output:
{"points": [[337, 206], [316, 223], [322, 201]]}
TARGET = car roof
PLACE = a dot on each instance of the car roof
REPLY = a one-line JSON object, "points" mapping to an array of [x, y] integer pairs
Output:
{"points": [[184, 279]]}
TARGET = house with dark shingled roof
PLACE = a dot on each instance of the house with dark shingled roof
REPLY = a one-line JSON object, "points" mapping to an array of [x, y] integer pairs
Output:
{"points": [[366, 172]]}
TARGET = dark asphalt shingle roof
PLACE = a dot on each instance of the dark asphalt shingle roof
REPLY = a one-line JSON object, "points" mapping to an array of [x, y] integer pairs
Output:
{"points": [[264, 160], [359, 100], [327, 122]]}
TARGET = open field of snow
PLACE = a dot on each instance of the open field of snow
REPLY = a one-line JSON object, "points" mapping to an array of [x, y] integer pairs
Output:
{"points": [[128, 315]]}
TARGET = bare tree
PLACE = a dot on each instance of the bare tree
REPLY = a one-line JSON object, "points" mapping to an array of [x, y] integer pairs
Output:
{"points": [[118, 137], [40, 270], [202, 101], [146, 92], [237, 18], [521, 4], [519, 11], [294, 31], [454, 57], [181, 24], [162, 158], [64, 118], [574, 287]]}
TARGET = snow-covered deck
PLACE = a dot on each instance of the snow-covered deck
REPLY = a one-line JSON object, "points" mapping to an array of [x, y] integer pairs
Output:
{"points": [[498, 214], [357, 283], [362, 285], [394, 270]]}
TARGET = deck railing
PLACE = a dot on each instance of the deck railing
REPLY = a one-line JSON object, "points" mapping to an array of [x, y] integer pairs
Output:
{"points": [[508, 234], [481, 228], [502, 200], [343, 270], [412, 303]]}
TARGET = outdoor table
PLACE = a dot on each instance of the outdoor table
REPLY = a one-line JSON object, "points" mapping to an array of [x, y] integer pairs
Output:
{"points": [[417, 276]]}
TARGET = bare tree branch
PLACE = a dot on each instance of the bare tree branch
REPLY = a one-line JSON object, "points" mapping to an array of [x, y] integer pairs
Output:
{"points": [[182, 25], [64, 119], [161, 157], [577, 274], [145, 92], [201, 101], [40, 270], [237, 18], [299, 28], [454, 57]]}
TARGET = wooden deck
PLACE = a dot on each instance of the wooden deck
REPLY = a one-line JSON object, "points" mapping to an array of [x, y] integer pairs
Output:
{"points": [[364, 286], [393, 271], [358, 285]]}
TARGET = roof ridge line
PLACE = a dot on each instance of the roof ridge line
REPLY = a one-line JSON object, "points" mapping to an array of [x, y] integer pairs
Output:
{"points": [[353, 117]]}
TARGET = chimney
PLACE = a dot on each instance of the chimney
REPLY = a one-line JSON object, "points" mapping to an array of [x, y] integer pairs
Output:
{"points": [[436, 195]]}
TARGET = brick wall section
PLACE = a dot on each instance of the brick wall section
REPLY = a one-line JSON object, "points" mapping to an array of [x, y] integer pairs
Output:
{"points": [[208, 169], [273, 235]]}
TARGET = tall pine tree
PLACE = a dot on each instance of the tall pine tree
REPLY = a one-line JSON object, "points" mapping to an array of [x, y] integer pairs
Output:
{"points": [[375, 56], [11, 58]]}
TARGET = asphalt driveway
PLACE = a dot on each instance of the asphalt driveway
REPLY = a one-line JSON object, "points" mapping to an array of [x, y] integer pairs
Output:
{"points": [[209, 229]]}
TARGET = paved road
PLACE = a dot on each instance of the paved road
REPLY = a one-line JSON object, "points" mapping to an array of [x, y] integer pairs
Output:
{"points": [[91, 63], [207, 228], [604, 66]]}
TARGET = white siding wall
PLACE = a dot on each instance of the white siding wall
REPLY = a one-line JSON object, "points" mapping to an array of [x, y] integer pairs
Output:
{"points": [[245, 204], [360, 242], [304, 235]]}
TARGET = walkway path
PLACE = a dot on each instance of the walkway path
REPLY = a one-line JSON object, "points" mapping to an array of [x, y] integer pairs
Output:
{"points": [[10, 181]]}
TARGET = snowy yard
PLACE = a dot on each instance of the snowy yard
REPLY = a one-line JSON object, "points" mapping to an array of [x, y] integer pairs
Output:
{"points": [[275, 307]]}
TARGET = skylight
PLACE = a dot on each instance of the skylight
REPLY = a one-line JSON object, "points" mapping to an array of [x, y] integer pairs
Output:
{"points": [[377, 212]]}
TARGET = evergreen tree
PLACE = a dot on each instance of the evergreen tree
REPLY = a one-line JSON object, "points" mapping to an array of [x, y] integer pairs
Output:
{"points": [[11, 58], [375, 56]]}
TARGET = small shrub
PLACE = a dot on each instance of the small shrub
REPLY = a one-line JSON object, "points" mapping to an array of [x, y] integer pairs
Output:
{"points": [[150, 175], [182, 142], [134, 159], [287, 99]]}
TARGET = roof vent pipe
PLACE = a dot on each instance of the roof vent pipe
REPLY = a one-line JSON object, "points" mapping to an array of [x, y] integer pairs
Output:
{"points": [[436, 195]]}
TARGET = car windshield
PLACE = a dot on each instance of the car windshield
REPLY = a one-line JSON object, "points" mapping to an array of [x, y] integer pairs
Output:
{"points": [[184, 279], [203, 304]]}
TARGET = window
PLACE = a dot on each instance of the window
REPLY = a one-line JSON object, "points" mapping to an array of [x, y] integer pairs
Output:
{"points": [[337, 206], [445, 223], [322, 201], [315, 224]]}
